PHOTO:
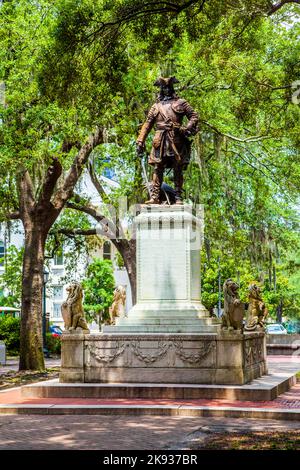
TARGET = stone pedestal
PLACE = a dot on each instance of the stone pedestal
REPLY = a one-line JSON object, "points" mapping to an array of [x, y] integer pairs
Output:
{"points": [[168, 336], [163, 358], [168, 275]]}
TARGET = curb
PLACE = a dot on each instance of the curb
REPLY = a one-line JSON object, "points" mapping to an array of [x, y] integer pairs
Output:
{"points": [[274, 386], [172, 410]]}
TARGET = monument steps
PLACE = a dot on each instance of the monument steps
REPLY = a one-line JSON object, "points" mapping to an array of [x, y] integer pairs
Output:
{"points": [[155, 320], [146, 327], [262, 389]]}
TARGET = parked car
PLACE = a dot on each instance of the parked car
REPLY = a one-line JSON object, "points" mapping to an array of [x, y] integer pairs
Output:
{"points": [[276, 329], [292, 327], [55, 331]]}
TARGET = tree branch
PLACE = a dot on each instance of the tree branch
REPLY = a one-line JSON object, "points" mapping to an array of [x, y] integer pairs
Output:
{"points": [[55, 248], [108, 226], [143, 9], [276, 6], [78, 231], [26, 194], [66, 191], [255, 138], [97, 183], [53, 173], [14, 215]]}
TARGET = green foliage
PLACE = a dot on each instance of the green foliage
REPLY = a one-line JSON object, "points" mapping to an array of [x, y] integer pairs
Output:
{"points": [[10, 334], [53, 344], [282, 292], [228, 267], [11, 279], [90, 63], [119, 260], [98, 289], [275, 291]]}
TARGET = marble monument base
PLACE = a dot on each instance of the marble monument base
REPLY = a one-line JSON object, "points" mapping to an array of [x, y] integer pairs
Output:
{"points": [[226, 358], [168, 336]]}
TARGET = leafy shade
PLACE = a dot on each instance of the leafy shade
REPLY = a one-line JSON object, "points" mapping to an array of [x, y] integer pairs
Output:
{"points": [[98, 289], [11, 279]]}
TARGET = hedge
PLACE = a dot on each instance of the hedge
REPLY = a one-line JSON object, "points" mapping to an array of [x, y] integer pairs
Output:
{"points": [[10, 334]]}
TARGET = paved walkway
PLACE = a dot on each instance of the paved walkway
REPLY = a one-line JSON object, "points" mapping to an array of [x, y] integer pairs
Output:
{"points": [[13, 364], [120, 432]]}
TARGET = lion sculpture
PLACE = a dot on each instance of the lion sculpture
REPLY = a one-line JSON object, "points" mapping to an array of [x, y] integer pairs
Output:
{"points": [[234, 309], [118, 306], [72, 310], [257, 311]]}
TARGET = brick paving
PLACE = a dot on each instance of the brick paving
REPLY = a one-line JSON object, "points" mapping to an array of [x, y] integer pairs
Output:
{"points": [[143, 432], [119, 433]]}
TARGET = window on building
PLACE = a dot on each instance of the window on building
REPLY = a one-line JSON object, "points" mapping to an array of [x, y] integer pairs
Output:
{"points": [[57, 310], [2, 253], [59, 257], [107, 250], [58, 292]]}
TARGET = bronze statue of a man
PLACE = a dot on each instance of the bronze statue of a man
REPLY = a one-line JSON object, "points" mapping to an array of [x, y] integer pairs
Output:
{"points": [[170, 147]]}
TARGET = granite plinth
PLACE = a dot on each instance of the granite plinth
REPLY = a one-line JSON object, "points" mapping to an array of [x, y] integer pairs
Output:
{"points": [[230, 358]]}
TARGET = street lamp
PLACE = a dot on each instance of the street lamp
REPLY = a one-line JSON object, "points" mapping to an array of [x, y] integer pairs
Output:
{"points": [[45, 280]]}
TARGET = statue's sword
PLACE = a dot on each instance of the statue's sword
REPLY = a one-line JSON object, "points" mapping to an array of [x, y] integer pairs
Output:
{"points": [[146, 181]]}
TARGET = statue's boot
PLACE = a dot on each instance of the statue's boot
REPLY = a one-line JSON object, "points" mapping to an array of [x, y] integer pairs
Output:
{"points": [[157, 180], [178, 180]]}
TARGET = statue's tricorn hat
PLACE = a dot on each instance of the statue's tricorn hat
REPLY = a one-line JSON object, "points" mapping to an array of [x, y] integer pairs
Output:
{"points": [[163, 81]]}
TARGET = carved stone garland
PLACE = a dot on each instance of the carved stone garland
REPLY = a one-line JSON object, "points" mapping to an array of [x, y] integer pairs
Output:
{"points": [[191, 358], [162, 349]]}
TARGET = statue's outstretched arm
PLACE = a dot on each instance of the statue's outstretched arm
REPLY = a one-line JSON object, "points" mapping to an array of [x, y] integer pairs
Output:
{"points": [[147, 126], [192, 125]]}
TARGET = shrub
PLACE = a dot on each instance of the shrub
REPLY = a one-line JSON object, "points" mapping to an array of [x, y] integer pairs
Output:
{"points": [[10, 334], [53, 344]]}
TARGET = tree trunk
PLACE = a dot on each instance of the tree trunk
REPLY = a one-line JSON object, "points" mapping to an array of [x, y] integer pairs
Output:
{"points": [[279, 311], [31, 343], [38, 211], [127, 249]]}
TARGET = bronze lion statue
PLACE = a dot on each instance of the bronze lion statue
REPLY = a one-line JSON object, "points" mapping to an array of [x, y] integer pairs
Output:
{"points": [[72, 310]]}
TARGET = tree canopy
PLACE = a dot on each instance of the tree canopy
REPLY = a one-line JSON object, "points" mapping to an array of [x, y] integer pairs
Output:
{"points": [[236, 64]]}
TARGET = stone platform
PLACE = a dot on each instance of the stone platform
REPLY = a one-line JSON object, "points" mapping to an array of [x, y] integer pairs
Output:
{"points": [[263, 389], [168, 336], [224, 358]]}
